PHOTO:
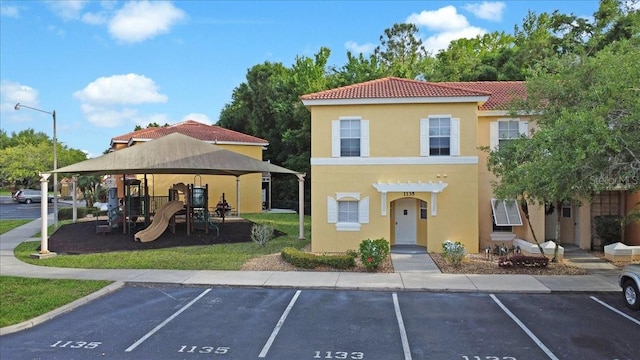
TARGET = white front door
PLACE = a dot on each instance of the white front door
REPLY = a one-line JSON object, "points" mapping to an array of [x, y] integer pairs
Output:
{"points": [[405, 214]]}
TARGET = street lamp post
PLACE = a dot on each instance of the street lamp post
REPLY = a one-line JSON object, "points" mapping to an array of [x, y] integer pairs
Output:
{"points": [[55, 160]]}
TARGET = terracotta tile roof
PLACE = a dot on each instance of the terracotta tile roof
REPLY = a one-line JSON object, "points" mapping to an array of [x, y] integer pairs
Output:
{"points": [[194, 129], [499, 92], [502, 92], [392, 87]]}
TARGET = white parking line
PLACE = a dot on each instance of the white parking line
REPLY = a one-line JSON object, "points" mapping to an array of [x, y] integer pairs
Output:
{"points": [[614, 310], [524, 328], [275, 331], [162, 324], [403, 331]]}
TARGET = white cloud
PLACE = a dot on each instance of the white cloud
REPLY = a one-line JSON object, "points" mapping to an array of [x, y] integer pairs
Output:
{"points": [[9, 11], [106, 117], [94, 18], [441, 41], [356, 48], [197, 117], [443, 19], [139, 21], [491, 11], [67, 10], [105, 100], [443, 26], [12, 93], [121, 89]]}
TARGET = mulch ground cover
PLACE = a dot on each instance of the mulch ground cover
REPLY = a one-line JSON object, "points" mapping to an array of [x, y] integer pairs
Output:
{"points": [[81, 238]]}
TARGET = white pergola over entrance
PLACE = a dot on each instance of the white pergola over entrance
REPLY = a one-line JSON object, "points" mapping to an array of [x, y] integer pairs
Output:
{"points": [[181, 154], [409, 187]]}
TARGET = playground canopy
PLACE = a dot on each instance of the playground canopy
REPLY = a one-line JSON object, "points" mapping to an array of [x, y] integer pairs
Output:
{"points": [[174, 154], [181, 154]]}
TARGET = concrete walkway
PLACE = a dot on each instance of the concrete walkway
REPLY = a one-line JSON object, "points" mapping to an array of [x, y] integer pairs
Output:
{"points": [[412, 272]]}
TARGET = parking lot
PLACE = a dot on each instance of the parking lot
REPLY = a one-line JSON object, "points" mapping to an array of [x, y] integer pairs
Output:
{"points": [[141, 322]]}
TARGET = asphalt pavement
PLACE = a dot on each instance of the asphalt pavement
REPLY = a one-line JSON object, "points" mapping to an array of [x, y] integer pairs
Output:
{"points": [[413, 272]]}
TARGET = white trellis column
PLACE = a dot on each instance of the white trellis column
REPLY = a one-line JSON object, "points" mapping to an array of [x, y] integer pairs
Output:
{"points": [[238, 196], [301, 204], [44, 205], [74, 181]]}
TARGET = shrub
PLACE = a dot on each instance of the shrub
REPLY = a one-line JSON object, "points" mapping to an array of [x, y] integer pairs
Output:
{"points": [[373, 252], [608, 228], [523, 261], [66, 213], [261, 233], [306, 260], [453, 252]]}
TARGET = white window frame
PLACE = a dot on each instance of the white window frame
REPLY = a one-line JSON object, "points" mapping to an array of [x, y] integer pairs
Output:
{"points": [[336, 136], [510, 209], [454, 135], [333, 207], [494, 131]]}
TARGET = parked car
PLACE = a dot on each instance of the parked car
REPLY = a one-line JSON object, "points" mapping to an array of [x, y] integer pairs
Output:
{"points": [[14, 196], [630, 282], [28, 196]]}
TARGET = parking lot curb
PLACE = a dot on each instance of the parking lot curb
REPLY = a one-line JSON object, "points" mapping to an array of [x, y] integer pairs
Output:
{"points": [[61, 310]]}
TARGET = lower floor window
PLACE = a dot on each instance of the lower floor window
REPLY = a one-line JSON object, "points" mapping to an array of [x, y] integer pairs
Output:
{"points": [[348, 211]]}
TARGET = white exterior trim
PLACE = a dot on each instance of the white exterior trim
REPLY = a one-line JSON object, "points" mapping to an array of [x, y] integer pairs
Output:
{"points": [[433, 188], [426, 160], [413, 100], [411, 187], [505, 113]]}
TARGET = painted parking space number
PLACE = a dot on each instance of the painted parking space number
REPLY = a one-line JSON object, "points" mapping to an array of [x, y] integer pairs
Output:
{"points": [[194, 349], [464, 357], [76, 344], [338, 355]]}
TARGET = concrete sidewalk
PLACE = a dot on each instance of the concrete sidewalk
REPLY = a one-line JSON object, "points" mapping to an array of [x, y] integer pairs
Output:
{"points": [[412, 272]]}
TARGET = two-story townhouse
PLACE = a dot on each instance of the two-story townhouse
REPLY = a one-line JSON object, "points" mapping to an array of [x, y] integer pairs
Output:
{"points": [[250, 186], [399, 159]]}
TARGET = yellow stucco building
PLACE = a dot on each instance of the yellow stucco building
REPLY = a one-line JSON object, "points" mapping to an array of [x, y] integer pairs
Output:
{"points": [[247, 189], [400, 159]]}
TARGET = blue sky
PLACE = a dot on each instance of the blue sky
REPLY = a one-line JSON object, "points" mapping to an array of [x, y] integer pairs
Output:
{"points": [[107, 66]]}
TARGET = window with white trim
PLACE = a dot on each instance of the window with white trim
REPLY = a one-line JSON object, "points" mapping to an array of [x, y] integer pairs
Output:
{"points": [[440, 136], [504, 130], [506, 213], [347, 211], [350, 137], [423, 210]]}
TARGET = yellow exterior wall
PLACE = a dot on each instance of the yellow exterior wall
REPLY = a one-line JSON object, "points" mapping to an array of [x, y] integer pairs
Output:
{"points": [[485, 193], [395, 133]]}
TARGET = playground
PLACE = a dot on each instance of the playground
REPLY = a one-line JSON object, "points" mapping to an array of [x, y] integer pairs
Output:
{"points": [[81, 238]]}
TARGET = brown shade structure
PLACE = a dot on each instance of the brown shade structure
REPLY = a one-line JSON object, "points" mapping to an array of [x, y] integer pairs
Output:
{"points": [[180, 154], [174, 154]]}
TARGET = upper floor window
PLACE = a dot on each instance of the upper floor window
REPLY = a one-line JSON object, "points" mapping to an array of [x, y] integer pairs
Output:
{"points": [[504, 130], [350, 137], [508, 130], [439, 136]]}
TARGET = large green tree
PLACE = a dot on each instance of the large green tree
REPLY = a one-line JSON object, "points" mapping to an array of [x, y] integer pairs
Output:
{"points": [[588, 136], [26, 154]]}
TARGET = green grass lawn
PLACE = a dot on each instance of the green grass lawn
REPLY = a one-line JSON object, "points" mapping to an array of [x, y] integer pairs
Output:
{"points": [[6, 225], [25, 298]]}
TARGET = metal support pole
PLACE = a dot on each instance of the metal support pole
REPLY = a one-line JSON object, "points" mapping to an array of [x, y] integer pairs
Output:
{"points": [[301, 204]]}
